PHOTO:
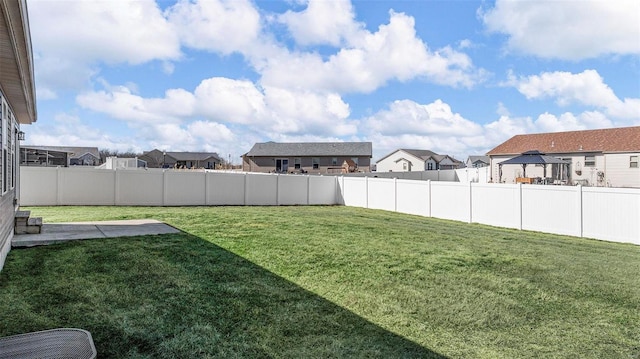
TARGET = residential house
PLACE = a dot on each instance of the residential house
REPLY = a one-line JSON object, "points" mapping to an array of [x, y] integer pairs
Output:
{"points": [[17, 107], [407, 160], [477, 161], [59, 156], [307, 157], [168, 159], [605, 157]]}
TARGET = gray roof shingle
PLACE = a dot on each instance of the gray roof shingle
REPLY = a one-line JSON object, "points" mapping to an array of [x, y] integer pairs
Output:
{"points": [[306, 149], [194, 156]]}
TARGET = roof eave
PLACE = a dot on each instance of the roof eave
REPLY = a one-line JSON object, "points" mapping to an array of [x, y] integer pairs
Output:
{"points": [[17, 79]]}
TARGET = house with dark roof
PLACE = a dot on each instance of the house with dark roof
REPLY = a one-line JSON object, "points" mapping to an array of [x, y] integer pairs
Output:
{"points": [[477, 161], [59, 156], [605, 157], [168, 159], [307, 157], [408, 160], [17, 107]]}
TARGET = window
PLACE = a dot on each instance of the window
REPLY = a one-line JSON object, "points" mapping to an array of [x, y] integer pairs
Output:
{"points": [[589, 161], [334, 161], [404, 166], [296, 163], [282, 165], [430, 166], [315, 163], [633, 162]]}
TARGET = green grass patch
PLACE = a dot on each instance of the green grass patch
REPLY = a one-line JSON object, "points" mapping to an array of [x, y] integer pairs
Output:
{"points": [[323, 282]]}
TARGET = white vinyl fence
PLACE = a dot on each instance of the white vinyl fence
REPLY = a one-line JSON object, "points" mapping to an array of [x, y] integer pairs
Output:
{"points": [[48, 186], [595, 212]]}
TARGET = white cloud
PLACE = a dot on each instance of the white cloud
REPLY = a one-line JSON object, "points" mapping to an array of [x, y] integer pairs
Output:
{"points": [[567, 121], [119, 102], [370, 60], [71, 130], [586, 88], [222, 26], [235, 101], [434, 126], [228, 101], [409, 117], [570, 30], [70, 39], [322, 22]]}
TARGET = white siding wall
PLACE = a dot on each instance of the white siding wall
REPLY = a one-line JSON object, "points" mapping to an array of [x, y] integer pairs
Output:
{"points": [[389, 163], [617, 170]]}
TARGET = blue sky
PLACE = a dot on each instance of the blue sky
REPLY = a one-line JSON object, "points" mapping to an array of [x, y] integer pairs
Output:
{"points": [[454, 77]]}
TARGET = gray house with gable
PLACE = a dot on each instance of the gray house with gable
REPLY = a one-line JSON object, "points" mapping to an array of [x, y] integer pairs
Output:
{"points": [[307, 157]]}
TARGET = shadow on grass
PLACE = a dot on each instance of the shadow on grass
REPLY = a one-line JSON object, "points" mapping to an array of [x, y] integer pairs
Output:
{"points": [[178, 296]]}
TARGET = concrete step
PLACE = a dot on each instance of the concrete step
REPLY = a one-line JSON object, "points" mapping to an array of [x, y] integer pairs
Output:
{"points": [[27, 225]]}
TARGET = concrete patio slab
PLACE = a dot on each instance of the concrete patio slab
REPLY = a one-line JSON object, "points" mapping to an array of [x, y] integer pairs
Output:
{"points": [[69, 231]]}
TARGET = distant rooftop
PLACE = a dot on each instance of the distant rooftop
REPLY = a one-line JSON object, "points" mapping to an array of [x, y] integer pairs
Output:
{"points": [[306, 149], [624, 139]]}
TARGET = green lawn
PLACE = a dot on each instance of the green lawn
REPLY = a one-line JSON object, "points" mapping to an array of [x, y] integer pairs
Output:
{"points": [[326, 282]]}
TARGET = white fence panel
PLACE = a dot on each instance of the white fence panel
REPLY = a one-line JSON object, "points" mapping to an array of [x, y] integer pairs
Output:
{"points": [[323, 190], [496, 205], [80, 186], [184, 188], [38, 186], [381, 194], [225, 189], [139, 188], [602, 213], [261, 190], [354, 191], [413, 197], [476, 175], [553, 209], [451, 200], [292, 190], [611, 214]]}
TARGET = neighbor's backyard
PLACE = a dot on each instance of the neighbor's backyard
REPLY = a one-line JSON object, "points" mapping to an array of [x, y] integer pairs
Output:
{"points": [[321, 282]]}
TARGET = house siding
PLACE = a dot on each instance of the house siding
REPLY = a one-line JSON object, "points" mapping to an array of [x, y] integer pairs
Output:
{"points": [[614, 168], [393, 163], [325, 164], [617, 170], [7, 213]]}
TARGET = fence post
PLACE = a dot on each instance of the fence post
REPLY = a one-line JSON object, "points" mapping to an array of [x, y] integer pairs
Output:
{"points": [[245, 189], [429, 200], [206, 188], [164, 187], [340, 191], [366, 192], [395, 194], [277, 189], [308, 189], [116, 187], [58, 186], [470, 200], [580, 211], [520, 205]]}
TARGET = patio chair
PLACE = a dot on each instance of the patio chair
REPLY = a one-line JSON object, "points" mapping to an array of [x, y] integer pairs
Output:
{"points": [[49, 344]]}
